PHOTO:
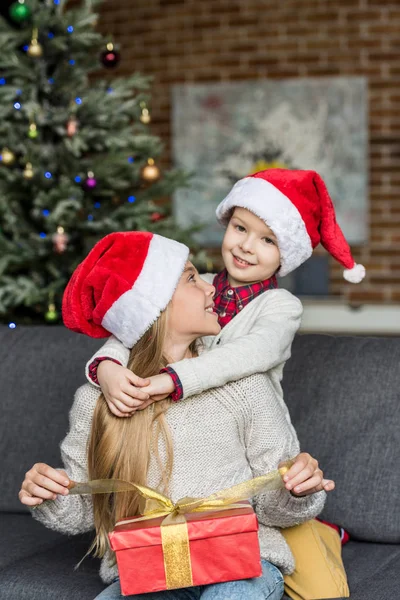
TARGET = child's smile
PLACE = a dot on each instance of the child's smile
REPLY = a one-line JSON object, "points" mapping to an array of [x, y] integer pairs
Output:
{"points": [[241, 263]]}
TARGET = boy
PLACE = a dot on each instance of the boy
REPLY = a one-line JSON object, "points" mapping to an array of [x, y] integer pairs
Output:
{"points": [[274, 220]]}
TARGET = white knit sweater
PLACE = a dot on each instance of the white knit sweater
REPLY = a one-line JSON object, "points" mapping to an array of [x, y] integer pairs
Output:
{"points": [[221, 437], [256, 340]]}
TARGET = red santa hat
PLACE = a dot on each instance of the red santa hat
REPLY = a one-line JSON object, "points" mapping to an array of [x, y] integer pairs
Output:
{"points": [[297, 207], [123, 285]]}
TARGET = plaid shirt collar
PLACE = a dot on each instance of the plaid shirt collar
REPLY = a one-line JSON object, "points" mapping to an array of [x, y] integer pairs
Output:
{"points": [[229, 301]]}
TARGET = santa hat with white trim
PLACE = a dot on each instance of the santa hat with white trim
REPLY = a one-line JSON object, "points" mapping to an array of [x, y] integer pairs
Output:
{"points": [[123, 285], [297, 207]]}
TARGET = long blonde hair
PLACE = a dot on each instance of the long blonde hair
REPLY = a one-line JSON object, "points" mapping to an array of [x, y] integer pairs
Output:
{"points": [[120, 448]]}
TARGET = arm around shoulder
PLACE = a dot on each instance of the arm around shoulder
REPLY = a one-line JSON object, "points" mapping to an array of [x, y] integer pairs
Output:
{"points": [[261, 341], [113, 349]]}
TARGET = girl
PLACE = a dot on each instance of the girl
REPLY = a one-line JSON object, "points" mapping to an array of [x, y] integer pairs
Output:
{"points": [[140, 287]]}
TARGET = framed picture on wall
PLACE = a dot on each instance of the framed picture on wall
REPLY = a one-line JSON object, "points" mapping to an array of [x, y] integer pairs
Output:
{"points": [[225, 131]]}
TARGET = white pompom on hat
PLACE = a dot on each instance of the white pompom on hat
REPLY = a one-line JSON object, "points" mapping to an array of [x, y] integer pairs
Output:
{"points": [[297, 207], [123, 285]]}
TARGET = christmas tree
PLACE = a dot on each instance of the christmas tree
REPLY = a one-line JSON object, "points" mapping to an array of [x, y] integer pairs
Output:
{"points": [[77, 158]]}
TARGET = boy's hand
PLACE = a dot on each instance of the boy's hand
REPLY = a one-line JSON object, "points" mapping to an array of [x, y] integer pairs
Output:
{"points": [[305, 477], [121, 388], [160, 387], [43, 483]]}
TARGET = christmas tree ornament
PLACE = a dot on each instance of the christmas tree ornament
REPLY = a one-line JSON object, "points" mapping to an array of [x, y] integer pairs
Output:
{"points": [[19, 11], [156, 216], [72, 126], [35, 50], [91, 182], [28, 172], [145, 116], [33, 132], [150, 172], [7, 157], [60, 240], [51, 315], [110, 57]]}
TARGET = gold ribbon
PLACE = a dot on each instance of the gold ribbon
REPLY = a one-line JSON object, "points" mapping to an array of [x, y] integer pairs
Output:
{"points": [[174, 529]]}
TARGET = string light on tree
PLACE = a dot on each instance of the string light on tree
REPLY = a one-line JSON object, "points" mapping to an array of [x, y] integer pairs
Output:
{"points": [[35, 50], [7, 157], [110, 57], [145, 116], [151, 172], [60, 240], [28, 172], [19, 11]]}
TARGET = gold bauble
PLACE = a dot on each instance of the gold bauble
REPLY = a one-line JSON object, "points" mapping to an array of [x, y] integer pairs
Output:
{"points": [[35, 49], [145, 116], [28, 171], [150, 172], [7, 157]]}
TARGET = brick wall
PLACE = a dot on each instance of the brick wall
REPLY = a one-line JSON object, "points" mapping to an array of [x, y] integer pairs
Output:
{"points": [[224, 40]]}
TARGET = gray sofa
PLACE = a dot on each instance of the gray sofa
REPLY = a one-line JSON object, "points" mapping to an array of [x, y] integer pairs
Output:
{"points": [[344, 398]]}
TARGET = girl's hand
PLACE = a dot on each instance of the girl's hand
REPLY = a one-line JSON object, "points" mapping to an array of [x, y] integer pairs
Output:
{"points": [[43, 483], [305, 477], [121, 388]]}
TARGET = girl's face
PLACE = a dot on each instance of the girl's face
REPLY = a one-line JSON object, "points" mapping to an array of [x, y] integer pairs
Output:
{"points": [[249, 249], [191, 311]]}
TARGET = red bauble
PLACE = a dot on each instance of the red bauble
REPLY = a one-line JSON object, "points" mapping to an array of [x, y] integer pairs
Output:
{"points": [[156, 216], [110, 57], [60, 240]]}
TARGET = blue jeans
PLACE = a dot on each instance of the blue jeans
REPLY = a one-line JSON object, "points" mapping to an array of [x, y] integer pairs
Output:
{"points": [[267, 587]]}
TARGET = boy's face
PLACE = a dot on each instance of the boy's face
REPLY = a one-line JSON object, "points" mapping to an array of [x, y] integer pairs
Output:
{"points": [[249, 249]]}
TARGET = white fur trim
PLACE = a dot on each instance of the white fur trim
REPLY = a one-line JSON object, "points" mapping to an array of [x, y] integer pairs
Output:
{"points": [[280, 214], [354, 275], [135, 311]]}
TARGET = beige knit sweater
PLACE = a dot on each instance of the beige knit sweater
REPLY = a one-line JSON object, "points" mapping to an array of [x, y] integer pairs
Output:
{"points": [[221, 437]]}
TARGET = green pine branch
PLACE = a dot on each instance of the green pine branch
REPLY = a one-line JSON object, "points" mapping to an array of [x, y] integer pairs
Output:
{"points": [[44, 187]]}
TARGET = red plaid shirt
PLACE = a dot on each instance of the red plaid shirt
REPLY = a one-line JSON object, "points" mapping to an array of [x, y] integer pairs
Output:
{"points": [[229, 301]]}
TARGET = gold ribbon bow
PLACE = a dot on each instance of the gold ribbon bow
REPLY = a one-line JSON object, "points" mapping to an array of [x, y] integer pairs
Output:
{"points": [[174, 530]]}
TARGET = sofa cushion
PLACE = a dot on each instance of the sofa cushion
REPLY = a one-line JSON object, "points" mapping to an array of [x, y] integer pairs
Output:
{"points": [[51, 574], [343, 394], [40, 369], [22, 536], [372, 570]]}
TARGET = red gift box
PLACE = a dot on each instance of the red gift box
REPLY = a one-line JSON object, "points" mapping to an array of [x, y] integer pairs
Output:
{"points": [[223, 546]]}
